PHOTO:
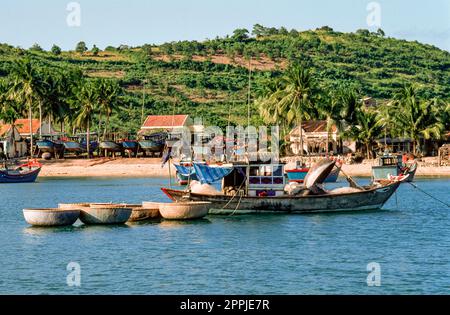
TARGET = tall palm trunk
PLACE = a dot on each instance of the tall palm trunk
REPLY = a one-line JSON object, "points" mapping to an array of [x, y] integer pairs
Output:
{"points": [[300, 135], [30, 118], [367, 150], [88, 140], [40, 120], [106, 126]]}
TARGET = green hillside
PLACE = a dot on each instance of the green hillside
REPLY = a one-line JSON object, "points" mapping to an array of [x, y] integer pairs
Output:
{"points": [[209, 79]]}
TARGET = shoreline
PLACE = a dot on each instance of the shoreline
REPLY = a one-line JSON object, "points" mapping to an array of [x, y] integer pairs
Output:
{"points": [[151, 167]]}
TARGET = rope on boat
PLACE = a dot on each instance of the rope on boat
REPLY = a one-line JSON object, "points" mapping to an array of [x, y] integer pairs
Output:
{"points": [[237, 191], [429, 195], [239, 202]]}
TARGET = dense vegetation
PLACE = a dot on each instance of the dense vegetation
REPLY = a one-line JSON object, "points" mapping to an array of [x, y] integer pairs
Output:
{"points": [[210, 79]]}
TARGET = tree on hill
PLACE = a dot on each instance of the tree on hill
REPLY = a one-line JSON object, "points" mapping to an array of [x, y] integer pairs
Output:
{"points": [[81, 47], [380, 32], [36, 47], [95, 50], [56, 50], [363, 32], [240, 34]]}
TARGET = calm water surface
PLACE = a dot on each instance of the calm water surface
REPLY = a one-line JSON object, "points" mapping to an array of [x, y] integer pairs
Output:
{"points": [[264, 254]]}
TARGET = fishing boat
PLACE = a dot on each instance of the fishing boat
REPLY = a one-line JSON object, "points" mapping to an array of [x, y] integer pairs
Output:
{"points": [[184, 173], [394, 165], [131, 147], [153, 144], [110, 147], [299, 173], [25, 173], [75, 147], [261, 188], [56, 148]]}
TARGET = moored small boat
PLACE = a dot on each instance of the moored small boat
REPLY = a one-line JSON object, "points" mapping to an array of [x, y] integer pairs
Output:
{"points": [[25, 173], [390, 165], [105, 213], [184, 210], [185, 172], [51, 217], [264, 191]]}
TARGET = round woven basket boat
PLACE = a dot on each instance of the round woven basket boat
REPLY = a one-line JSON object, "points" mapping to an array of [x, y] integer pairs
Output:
{"points": [[105, 213], [140, 213], [51, 217], [184, 210]]}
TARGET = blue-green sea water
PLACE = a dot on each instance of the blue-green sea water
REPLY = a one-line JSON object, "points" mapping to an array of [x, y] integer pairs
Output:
{"points": [[259, 254]]}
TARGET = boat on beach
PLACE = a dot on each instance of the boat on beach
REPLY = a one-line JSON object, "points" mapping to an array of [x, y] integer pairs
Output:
{"points": [[260, 188], [110, 147], [153, 144], [54, 147], [25, 173], [131, 147]]}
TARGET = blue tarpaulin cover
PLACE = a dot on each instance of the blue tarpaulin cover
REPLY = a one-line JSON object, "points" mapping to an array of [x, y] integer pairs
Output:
{"points": [[208, 175]]}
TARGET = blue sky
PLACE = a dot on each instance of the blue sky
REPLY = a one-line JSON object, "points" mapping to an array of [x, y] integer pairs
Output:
{"points": [[136, 22]]}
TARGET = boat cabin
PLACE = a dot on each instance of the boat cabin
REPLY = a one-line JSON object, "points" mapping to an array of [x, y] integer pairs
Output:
{"points": [[387, 165], [264, 180]]}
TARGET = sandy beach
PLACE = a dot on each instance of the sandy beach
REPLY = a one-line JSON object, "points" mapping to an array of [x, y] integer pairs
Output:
{"points": [[151, 167]]}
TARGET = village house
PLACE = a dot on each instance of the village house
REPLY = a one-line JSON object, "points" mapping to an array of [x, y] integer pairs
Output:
{"points": [[315, 137], [13, 141]]}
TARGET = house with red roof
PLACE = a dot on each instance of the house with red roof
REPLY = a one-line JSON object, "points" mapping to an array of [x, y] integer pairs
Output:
{"points": [[166, 122], [12, 140]]}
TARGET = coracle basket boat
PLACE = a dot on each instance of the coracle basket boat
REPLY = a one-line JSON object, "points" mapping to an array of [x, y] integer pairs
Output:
{"points": [[184, 210], [101, 213], [142, 213], [51, 217]]}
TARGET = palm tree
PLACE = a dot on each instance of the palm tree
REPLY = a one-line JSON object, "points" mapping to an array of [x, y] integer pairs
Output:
{"points": [[27, 88], [332, 108], [294, 102], [87, 98], [417, 118], [108, 99], [10, 110], [367, 129]]}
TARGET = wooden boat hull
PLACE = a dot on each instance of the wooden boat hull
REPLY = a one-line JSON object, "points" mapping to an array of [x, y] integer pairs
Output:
{"points": [[184, 179], [364, 200], [151, 146], [383, 172], [130, 145], [7, 176], [110, 146], [74, 147], [46, 146]]}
